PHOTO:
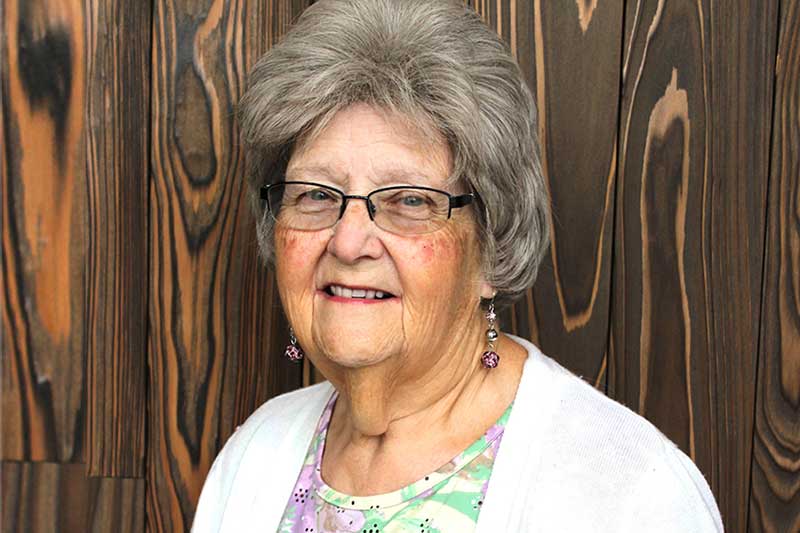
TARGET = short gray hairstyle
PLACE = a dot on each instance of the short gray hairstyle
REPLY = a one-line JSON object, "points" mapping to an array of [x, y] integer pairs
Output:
{"points": [[439, 65]]}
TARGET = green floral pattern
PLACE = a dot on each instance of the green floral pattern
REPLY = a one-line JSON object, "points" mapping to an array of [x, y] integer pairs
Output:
{"points": [[447, 500]]}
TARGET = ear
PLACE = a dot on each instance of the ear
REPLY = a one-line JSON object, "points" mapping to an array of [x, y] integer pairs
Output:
{"points": [[487, 291]]}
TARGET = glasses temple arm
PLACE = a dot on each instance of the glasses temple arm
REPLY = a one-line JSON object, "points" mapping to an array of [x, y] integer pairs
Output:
{"points": [[461, 201]]}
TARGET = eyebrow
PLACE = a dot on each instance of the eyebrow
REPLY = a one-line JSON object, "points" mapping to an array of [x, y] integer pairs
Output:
{"points": [[396, 174], [322, 171]]}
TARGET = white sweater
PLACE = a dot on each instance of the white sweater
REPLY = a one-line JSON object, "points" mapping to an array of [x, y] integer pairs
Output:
{"points": [[571, 460]]}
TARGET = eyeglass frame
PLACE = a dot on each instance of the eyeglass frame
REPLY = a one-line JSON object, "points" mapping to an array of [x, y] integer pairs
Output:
{"points": [[455, 201]]}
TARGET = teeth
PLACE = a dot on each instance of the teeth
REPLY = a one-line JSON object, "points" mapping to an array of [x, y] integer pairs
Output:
{"points": [[367, 294]]}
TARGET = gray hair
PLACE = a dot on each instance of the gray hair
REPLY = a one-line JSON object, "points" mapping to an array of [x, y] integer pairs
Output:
{"points": [[435, 63]]}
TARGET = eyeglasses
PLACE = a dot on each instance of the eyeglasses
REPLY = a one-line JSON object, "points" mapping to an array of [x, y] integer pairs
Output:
{"points": [[404, 210]]}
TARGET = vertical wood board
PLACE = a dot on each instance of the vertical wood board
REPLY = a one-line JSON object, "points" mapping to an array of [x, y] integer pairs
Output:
{"points": [[577, 60], [43, 254], [659, 366], [775, 492], [117, 124], [741, 42]]}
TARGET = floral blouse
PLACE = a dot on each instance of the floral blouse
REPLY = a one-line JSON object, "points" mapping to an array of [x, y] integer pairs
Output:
{"points": [[447, 500]]}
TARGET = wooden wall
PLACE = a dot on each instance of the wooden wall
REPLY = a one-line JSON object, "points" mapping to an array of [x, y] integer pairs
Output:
{"points": [[139, 328]]}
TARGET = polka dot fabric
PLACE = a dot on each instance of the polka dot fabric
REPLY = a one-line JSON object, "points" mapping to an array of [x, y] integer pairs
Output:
{"points": [[447, 500]]}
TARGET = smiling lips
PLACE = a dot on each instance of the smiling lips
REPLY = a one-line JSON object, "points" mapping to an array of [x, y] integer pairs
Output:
{"points": [[348, 294]]}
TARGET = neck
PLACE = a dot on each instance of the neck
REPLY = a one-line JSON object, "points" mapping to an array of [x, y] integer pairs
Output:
{"points": [[385, 430], [395, 396]]}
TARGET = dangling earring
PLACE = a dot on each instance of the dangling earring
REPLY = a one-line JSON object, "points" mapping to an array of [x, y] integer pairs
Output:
{"points": [[293, 351], [490, 359]]}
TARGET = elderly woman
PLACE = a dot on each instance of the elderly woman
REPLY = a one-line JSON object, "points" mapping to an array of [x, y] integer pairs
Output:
{"points": [[392, 145]]}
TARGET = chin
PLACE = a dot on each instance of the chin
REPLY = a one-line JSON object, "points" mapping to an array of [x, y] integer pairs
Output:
{"points": [[360, 354], [356, 343], [350, 363]]}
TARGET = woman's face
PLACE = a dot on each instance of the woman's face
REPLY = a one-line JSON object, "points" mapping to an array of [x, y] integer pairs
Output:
{"points": [[434, 278]]}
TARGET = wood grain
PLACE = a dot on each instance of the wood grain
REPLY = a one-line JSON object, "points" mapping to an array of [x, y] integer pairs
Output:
{"points": [[45, 497], [694, 143], [117, 124], [742, 45], [44, 204], [577, 60], [775, 493], [212, 304], [659, 359]]}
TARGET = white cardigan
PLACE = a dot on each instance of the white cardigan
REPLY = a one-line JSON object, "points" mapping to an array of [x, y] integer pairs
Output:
{"points": [[571, 460]]}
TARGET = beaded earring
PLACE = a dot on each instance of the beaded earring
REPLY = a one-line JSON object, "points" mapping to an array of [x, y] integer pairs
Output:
{"points": [[293, 351], [490, 358]]}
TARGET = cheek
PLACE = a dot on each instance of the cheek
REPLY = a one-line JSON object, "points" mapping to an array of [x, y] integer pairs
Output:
{"points": [[296, 254], [436, 252], [425, 253], [294, 250], [438, 274], [436, 262]]}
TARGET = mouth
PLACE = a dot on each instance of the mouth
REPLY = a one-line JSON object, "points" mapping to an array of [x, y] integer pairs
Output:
{"points": [[365, 294]]}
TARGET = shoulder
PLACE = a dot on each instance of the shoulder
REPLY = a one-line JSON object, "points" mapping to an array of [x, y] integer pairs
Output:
{"points": [[597, 449], [277, 419], [285, 410], [582, 416], [672, 495], [280, 428]]}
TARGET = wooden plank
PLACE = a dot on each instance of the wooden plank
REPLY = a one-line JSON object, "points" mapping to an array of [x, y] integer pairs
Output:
{"points": [[44, 497], [212, 347], [742, 44], [43, 255], [118, 86], [775, 492], [696, 101], [576, 53]]}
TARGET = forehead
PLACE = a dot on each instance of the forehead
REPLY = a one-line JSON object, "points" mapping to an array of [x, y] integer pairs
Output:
{"points": [[361, 143]]}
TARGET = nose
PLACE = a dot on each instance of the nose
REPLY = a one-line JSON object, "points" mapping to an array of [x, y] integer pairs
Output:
{"points": [[355, 235]]}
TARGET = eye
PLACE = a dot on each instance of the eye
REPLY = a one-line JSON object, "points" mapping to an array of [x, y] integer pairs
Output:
{"points": [[310, 199], [317, 195], [409, 200], [412, 200]]}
